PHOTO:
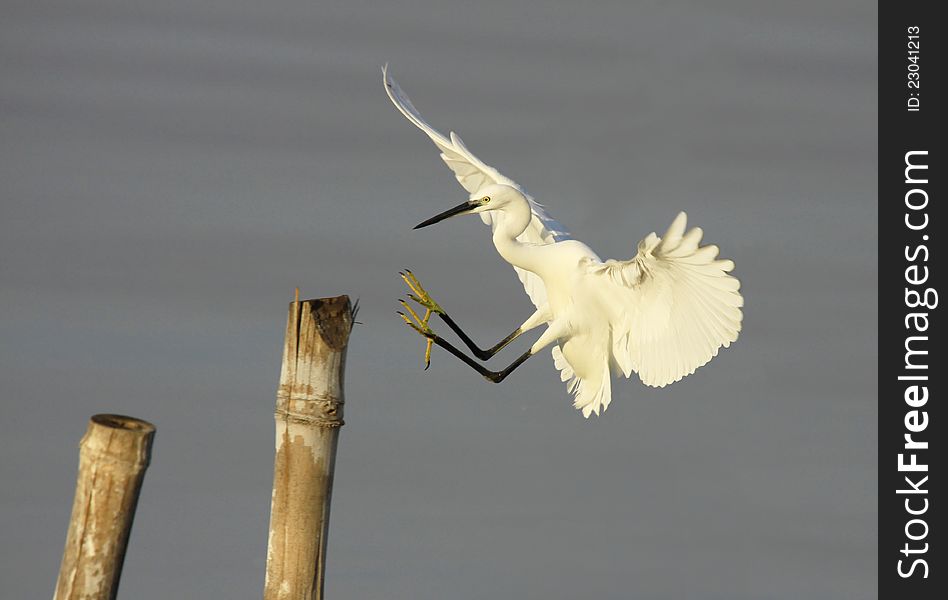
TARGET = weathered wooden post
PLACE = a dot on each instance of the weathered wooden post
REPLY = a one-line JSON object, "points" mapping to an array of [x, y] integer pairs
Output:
{"points": [[308, 417], [113, 456]]}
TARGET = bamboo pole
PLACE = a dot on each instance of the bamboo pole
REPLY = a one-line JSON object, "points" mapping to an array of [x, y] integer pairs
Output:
{"points": [[113, 456], [308, 417]]}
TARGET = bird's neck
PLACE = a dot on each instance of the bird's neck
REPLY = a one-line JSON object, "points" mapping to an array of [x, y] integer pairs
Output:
{"points": [[513, 219]]}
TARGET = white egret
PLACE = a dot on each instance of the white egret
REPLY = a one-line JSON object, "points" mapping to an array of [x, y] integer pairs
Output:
{"points": [[661, 314]]}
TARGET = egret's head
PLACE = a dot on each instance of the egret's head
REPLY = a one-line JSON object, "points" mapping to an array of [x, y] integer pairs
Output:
{"points": [[492, 197]]}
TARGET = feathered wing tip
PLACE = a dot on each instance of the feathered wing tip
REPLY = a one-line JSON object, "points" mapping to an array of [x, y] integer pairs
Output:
{"points": [[473, 174], [589, 396], [685, 305]]}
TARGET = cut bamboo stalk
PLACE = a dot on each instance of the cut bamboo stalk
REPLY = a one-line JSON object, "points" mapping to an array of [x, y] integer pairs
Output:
{"points": [[113, 456], [308, 416]]}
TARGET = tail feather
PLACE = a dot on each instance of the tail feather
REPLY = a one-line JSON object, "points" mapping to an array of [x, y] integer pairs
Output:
{"points": [[593, 396], [590, 395]]}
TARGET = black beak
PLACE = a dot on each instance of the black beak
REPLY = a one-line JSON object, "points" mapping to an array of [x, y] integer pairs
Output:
{"points": [[460, 209]]}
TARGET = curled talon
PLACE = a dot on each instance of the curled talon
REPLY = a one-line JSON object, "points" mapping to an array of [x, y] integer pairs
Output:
{"points": [[422, 330], [423, 323], [421, 327], [420, 295]]}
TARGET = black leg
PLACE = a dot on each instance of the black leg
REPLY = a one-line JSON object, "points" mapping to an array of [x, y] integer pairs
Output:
{"points": [[493, 376], [481, 354], [422, 297]]}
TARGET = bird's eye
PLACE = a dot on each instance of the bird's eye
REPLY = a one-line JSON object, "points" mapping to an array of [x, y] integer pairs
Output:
{"points": [[486, 199]]}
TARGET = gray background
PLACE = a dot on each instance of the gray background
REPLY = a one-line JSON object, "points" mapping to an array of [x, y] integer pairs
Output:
{"points": [[171, 170]]}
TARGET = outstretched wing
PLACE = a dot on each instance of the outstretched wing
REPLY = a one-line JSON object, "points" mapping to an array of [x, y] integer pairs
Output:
{"points": [[473, 175], [676, 305]]}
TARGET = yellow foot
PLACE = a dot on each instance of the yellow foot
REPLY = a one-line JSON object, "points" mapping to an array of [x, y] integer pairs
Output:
{"points": [[421, 295], [420, 326], [424, 299]]}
